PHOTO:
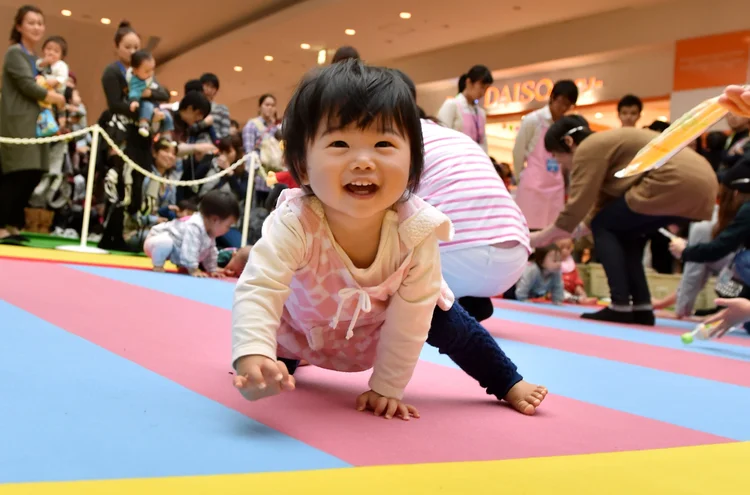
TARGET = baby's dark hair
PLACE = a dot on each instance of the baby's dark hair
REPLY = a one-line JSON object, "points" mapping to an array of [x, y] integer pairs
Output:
{"points": [[541, 252], [60, 42], [219, 204], [350, 93], [188, 204], [197, 101], [139, 57]]}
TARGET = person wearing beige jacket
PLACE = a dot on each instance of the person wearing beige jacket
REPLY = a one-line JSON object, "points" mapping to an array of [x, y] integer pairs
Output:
{"points": [[620, 212]]}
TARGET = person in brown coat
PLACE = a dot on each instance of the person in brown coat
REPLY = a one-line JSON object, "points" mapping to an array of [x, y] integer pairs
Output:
{"points": [[621, 212]]}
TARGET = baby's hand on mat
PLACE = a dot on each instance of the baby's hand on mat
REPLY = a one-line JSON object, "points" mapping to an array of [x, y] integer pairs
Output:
{"points": [[385, 406], [197, 273], [259, 377], [218, 274]]}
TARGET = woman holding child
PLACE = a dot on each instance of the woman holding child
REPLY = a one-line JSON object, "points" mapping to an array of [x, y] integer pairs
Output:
{"points": [[22, 166]]}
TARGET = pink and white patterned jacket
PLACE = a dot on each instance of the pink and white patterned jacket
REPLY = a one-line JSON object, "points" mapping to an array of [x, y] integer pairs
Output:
{"points": [[301, 297]]}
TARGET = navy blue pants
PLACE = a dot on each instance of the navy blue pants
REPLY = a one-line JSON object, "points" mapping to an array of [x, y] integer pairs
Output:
{"points": [[460, 337]]}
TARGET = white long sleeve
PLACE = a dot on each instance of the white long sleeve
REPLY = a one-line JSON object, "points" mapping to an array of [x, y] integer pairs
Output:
{"points": [[407, 323], [263, 287]]}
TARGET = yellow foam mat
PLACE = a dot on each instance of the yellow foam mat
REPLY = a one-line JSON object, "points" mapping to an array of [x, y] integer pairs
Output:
{"points": [[30, 253], [705, 470]]}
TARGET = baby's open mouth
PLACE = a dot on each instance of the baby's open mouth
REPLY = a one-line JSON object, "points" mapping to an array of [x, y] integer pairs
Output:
{"points": [[362, 188]]}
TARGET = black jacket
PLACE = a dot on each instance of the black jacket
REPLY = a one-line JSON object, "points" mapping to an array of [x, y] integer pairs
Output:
{"points": [[733, 237]]}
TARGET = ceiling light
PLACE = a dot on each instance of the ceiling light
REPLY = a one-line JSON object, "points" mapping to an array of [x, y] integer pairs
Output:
{"points": [[173, 93], [322, 54], [305, 46], [237, 68], [663, 118], [268, 58], [106, 20], [598, 115], [405, 15], [350, 32], [66, 13]]}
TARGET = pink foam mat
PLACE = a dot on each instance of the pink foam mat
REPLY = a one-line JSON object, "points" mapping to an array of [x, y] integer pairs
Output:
{"points": [[189, 343]]}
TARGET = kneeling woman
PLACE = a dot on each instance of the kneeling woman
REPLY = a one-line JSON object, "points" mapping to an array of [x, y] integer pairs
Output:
{"points": [[620, 212]]}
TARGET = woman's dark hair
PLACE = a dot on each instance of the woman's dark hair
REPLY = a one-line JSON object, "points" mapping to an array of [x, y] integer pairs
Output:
{"points": [[263, 98], [574, 126], [124, 29], [345, 53], [734, 191], [15, 35], [139, 57], [541, 252], [350, 93], [476, 73], [273, 196], [730, 201], [60, 41], [219, 204]]}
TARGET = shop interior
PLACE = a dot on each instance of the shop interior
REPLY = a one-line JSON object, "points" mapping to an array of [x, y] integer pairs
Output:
{"points": [[502, 129]]}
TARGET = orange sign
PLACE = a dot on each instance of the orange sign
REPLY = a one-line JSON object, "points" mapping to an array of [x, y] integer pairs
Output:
{"points": [[712, 61], [528, 91]]}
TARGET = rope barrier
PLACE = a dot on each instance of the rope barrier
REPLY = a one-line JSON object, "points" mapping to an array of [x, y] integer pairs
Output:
{"points": [[52, 139], [97, 131]]}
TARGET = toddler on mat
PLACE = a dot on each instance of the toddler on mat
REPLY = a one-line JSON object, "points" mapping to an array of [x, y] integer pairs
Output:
{"points": [[190, 241], [346, 274], [542, 277]]}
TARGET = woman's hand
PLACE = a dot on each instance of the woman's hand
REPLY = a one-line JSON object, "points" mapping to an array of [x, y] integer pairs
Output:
{"points": [[385, 406], [677, 247], [146, 93], [134, 106], [736, 99], [736, 313]]}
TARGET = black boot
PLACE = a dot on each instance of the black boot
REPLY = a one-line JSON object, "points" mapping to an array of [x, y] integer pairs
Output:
{"points": [[610, 315]]}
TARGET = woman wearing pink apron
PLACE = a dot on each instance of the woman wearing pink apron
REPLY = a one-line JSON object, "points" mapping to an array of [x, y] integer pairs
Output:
{"points": [[463, 113], [541, 188], [541, 192]]}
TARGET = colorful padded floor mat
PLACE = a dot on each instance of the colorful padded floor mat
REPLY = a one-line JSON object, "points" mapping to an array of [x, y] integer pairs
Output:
{"points": [[118, 381]]}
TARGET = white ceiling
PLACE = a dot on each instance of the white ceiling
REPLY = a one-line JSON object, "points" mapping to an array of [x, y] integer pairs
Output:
{"points": [[197, 37]]}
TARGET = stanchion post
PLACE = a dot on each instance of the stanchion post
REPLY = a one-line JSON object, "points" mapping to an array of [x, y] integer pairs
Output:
{"points": [[83, 246], [248, 197], [90, 185]]}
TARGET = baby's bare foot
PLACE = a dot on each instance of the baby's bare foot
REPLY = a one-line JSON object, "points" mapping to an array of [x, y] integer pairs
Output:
{"points": [[158, 269], [525, 397]]}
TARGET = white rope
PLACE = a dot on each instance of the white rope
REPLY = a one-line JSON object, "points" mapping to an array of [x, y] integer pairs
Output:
{"points": [[197, 182], [51, 139]]}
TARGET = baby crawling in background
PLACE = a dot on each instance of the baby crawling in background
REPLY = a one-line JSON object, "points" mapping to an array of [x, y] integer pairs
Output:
{"points": [[542, 277], [346, 275], [572, 283]]}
